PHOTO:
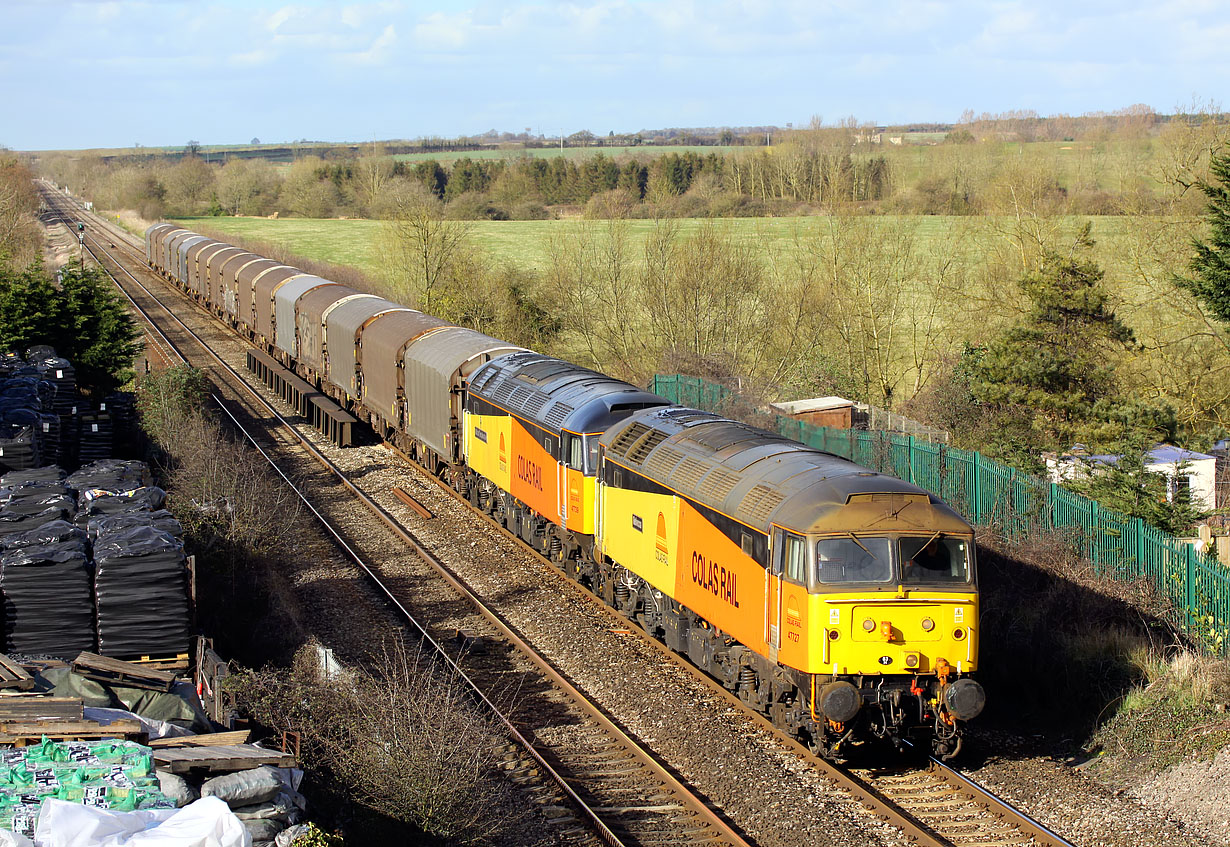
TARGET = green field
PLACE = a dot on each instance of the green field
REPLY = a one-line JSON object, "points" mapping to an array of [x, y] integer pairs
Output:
{"points": [[524, 244]]}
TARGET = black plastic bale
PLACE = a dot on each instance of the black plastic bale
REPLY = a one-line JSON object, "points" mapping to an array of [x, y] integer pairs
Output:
{"points": [[48, 608], [96, 436], [19, 452], [122, 406], [141, 593], [48, 435]]}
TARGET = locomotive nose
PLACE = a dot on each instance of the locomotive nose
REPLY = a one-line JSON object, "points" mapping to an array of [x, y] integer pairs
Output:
{"points": [[840, 701], [965, 699]]}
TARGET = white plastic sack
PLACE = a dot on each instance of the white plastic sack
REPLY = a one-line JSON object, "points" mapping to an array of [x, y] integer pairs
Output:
{"points": [[14, 839], [206, 823], [287, 837]]}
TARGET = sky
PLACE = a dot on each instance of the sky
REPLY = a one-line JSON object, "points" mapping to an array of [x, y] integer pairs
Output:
{"points": [[90, 74]]}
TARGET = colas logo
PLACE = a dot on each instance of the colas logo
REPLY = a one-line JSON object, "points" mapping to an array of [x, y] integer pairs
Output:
{"points": [[661, 551]]}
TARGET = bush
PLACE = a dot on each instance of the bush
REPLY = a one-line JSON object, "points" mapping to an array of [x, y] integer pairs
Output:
{"points": [[608, 205], [167, 398], [402, 738], [1094, 202], [472, 206], [529, 210], [731, 205]]}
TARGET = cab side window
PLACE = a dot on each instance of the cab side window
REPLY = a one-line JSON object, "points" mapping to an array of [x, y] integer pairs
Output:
{"points": [[576, 453], [794, 556]]}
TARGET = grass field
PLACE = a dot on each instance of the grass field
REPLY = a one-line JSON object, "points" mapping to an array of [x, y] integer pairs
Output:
{"points": [[524, 244]]}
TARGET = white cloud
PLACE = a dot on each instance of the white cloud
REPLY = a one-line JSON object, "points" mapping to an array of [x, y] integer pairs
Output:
{"points": [[379, 51], [440, 31], [278, 18]]}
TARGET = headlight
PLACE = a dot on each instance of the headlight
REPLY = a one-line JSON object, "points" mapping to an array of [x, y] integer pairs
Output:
{"points": [[869, 625], [928, 624], [911, 660], [958, 633]]}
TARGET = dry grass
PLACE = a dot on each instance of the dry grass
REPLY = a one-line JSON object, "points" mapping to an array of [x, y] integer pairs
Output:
{"points": [[401, 738], [1176, 711], [1100, 660]]}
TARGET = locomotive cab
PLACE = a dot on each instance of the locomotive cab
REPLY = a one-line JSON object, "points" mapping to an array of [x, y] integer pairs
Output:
{"points": [[899, 633]]}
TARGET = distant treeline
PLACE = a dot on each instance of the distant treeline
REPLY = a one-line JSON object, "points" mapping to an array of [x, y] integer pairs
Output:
{"points": [[977, 166]]}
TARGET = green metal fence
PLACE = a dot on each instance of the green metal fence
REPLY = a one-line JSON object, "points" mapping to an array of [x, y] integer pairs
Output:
{"points": [[989, 493]]}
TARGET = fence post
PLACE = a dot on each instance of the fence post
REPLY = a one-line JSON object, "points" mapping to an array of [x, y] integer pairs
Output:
{"points": [[1093, 537], [1190, 574], [976, 473], [910, 459], [1138, 529]]}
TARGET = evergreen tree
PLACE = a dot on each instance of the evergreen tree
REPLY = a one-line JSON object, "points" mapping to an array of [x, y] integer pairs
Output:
{"points": [[1049, 380], [82, 319], [31, 309], [634, 178], [100, 337], [1210, 282], [1128, 486]]}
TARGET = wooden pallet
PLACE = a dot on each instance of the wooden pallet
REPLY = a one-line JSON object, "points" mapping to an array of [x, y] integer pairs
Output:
{"points": [[25, 708], [13, 675], [222, 758], [25, 734], [208, 739], [178, 662], [127, 674]]}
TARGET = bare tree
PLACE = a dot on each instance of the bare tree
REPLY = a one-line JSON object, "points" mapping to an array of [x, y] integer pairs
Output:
{"points": [[372, 173], [241, 184], [418, 245], [305, 192], [885, 302], [189, 184], [591, 265], [18, 206]]}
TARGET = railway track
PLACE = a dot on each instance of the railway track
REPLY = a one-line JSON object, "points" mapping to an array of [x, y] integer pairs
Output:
{"points": [[591, 780], [934, 805]]}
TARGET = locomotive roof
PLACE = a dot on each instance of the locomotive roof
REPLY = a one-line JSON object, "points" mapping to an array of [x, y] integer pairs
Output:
{"points": [[556, 394], [763, 478]]}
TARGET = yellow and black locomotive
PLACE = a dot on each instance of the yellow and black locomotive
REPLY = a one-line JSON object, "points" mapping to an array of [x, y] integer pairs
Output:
{"points": [[839, 601]]}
